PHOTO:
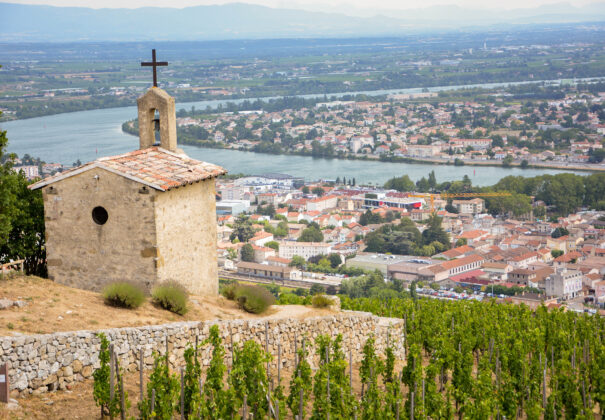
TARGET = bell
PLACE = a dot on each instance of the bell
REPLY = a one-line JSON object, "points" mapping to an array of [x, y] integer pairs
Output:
{"points": [[156, 124]]}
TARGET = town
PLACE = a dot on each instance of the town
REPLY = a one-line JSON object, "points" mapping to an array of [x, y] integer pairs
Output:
{"points": [[275, 229], [488, 129]]}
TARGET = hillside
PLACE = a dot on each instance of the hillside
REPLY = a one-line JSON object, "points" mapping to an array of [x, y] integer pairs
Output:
{"points": [[31, 23], [52, 307]]}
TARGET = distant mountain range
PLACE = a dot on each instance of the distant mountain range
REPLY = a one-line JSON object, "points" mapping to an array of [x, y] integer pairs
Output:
{"points": [[35, 23]]}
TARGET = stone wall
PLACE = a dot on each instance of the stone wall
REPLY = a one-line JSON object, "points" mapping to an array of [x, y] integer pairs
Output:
{"points": [[42, 363]]}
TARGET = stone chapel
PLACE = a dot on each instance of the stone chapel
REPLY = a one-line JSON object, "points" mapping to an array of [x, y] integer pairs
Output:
{"points": [[146, 217]]}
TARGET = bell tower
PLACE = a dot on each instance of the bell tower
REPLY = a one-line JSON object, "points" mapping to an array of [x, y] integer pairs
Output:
{"points": [[156, 113], [157, 101]]}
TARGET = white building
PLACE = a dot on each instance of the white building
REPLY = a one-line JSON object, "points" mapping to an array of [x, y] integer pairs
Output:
{"points": [[474, 206], [322, 203], [29, 171], [564, 283], [288, 249], [359, 142]]}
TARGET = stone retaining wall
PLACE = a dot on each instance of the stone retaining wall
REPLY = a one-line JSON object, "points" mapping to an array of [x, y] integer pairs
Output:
{"points": [[41, 363]]}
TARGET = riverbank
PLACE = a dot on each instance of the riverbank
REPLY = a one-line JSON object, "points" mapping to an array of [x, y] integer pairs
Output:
{"points": [[129, 129], [203, 100], [497, 163]]}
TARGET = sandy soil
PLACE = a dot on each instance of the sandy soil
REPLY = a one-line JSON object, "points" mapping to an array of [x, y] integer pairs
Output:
{"points": [[52, 307]]}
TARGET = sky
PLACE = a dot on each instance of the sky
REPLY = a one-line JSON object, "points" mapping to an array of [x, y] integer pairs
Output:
{"points": [[342, 6]]}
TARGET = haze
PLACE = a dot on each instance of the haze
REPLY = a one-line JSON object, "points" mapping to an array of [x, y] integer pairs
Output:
{"points": [[352, 7]]}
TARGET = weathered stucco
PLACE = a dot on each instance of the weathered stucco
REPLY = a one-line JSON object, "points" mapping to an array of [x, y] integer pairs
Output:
{"points": [[86, 255], [186, 237]]}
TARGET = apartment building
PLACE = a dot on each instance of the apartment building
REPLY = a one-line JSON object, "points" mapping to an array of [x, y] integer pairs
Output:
{"points": [[288, 249]]}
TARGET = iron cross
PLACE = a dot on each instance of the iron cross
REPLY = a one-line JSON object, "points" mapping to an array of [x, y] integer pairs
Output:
{"points": [[154, 64]]}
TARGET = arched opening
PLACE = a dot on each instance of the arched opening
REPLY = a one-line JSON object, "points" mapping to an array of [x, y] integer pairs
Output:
{"points": [[156, 128]]}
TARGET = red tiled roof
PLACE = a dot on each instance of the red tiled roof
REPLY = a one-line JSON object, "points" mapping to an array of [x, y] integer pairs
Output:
{"points": [[153, 166], [448, 265]]}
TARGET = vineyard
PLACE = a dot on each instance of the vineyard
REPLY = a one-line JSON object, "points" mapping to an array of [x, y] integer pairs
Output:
{"points": [[462, 360]]}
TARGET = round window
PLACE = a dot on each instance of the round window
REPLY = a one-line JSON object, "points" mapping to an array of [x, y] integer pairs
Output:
{"points": [[99, 215]]}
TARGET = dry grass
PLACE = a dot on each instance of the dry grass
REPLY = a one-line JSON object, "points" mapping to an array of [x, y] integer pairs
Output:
{"points": [[53, 307]]}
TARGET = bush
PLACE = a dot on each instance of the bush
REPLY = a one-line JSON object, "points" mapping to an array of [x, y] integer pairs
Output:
{"points": [[322, 301], [123, 295], [229, 290], [290, 299], [171, 296], [254, 299]]}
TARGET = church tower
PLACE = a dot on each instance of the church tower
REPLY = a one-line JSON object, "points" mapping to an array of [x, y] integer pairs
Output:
{"points": [[147, 216]]}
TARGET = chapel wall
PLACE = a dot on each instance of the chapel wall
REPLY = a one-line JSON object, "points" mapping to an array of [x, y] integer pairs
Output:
{"points": [[86, 255], [186, 237]]}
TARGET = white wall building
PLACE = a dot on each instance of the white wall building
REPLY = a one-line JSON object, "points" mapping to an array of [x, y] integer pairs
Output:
{"points": [[564, 283], [288, 249]]}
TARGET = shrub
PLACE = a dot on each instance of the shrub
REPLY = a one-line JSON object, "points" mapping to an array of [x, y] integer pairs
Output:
{"points": [[229, 290], [290, 299], [322, 301], [171, 296], [123, 295], [254, 299]]}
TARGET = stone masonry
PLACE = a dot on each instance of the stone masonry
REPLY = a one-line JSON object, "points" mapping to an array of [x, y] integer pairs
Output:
{"points": [[42, 363]]}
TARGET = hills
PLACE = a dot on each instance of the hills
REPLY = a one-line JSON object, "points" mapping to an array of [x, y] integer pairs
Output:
{"points": [[36, 23]]}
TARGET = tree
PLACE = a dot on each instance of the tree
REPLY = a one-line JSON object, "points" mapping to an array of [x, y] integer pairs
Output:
{"points": [[318, 191], [402, 183], [558, 232], [432, 180], [242, 229], [423, 185], [449, 207], [297, 261], [335, 260], [21, 218], [556, 253], [434, 232], [461, 242], [305, 190], [524, 163], [507, 161], [273, 244], [515, 204], [268, 210], [413, 292], [247, 253], [539, 211], [311, 234], [369, 218]]}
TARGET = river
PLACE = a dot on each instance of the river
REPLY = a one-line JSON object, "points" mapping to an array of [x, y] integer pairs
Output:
{"points": [[87, 135]]}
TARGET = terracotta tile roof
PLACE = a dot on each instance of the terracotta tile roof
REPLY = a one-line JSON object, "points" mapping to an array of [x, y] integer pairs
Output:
{"points": [[153, 166], [473, 234], [448, 265]]}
